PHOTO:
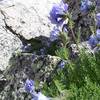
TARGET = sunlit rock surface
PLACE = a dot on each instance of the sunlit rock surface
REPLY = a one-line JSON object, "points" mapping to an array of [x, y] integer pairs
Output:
{"points": [[29, 18]]}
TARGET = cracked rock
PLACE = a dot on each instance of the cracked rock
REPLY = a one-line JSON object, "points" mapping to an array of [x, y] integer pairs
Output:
{"points": [[27, 18], [8, 44], [30, 18]]}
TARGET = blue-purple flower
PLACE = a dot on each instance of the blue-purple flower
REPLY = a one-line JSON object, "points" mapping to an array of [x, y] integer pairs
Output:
{"points": [[97, 2], [42, 51], [54, 34], [85, 5], [58, 13], [62, 64], [98, 19], [98, 34], [26, 48], [29, 85], [93, 41], [64, 29]]}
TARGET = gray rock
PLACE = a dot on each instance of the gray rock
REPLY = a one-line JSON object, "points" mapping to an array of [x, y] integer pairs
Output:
{"points": [[27, 66], [27, 18], [8, 44]]}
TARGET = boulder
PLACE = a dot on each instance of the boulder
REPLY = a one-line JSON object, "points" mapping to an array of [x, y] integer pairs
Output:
{"points": [[29, 18], [27, 66], [9, 43]]}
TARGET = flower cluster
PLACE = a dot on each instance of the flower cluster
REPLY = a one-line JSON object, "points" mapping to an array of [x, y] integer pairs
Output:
{"points": [[95, 39], [30, 88], [54, 34], [85, 5], [58, 16], [26, 48], [29, 85], [58, 13]]}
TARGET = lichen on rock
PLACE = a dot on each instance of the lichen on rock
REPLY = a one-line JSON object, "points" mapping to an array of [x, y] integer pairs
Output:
{"points": [[24, 66]]}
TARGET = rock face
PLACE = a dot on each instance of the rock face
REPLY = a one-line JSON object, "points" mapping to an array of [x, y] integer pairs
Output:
{"points": [[27, 66], [27, 18], [8, 44]]}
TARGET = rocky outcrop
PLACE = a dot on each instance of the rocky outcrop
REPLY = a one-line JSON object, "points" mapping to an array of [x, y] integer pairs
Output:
{"points": [[27, 66], [9, 43], [29, 18]]}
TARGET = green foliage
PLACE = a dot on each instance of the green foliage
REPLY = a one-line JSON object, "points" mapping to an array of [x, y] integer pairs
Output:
{"points": [[53, 47], [62, 53], [70, 22], [79, 80], [64, 38]]}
